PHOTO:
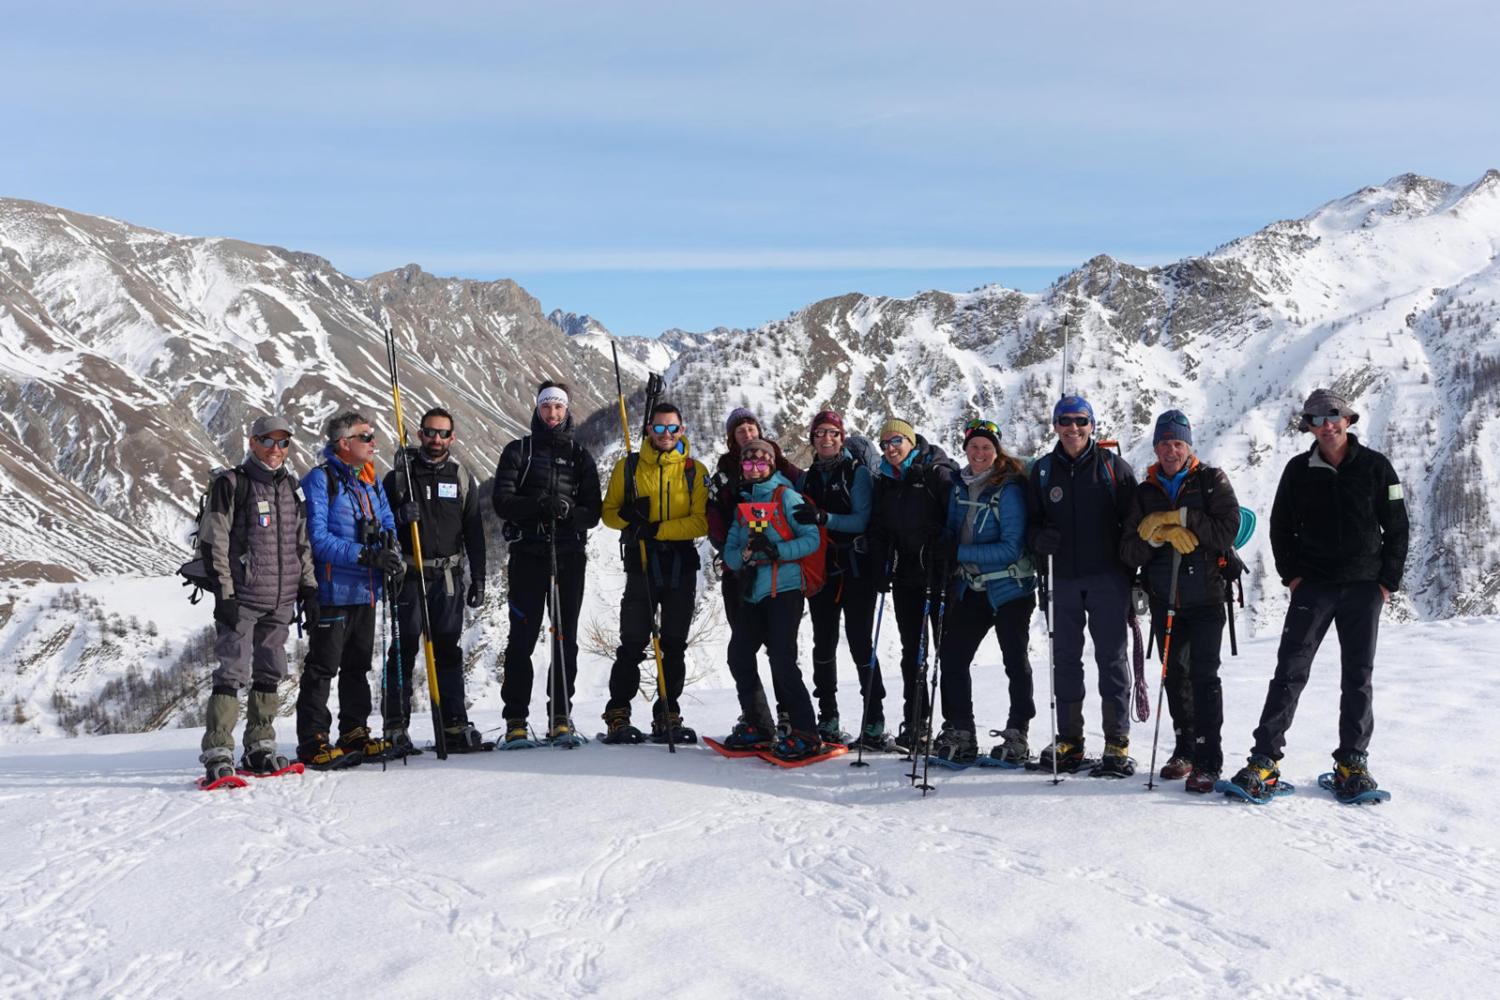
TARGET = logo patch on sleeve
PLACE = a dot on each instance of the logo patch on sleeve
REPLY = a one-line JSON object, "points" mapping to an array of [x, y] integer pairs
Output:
{"points": [[1393, 492]]}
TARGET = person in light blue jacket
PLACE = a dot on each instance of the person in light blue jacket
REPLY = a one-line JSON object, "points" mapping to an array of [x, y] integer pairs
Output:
{"points": [[352, 534], [763, 546], [994, 587]]}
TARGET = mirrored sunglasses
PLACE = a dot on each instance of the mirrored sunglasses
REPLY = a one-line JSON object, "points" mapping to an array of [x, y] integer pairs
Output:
{"points": [[892, 442], [1318, 420], [267, 441], [665, 428], [437, 432], [1073, 421]]}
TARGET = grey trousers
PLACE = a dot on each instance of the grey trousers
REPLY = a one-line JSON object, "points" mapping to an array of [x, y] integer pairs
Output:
{"points": [[255, 649]]}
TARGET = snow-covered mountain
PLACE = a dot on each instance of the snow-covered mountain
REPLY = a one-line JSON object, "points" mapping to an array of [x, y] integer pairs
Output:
{"points": [[130, 360]]}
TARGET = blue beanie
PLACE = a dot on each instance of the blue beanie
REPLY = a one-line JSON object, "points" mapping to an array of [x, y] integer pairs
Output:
{"points": [[1172, 426], [1073, 404]]}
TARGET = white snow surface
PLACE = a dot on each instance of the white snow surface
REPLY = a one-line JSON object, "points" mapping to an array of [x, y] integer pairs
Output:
{"points": [[629, 872]]}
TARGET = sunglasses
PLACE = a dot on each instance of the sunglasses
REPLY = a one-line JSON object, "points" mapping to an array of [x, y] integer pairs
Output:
{"points": [[892, 442], [267, 441], [754, 464], [828, 432], [1072, 421], [1321, 419], [665, 428], [983, 425], [437, 432], [367, 438]]}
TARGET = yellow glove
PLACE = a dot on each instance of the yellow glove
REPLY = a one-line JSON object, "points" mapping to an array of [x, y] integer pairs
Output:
{"points": [[1155, 520], [1180, 538]]}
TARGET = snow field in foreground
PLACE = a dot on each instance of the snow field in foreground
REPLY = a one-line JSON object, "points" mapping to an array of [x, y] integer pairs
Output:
{"points": [[626, 872]]}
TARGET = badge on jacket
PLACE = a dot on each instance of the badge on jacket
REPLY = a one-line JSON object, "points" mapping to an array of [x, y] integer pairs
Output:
{"points": [[1056, 495], [447, 491]]}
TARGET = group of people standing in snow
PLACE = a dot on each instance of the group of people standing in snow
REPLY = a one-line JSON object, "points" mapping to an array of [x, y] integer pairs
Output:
{"points": [[958, 551]]}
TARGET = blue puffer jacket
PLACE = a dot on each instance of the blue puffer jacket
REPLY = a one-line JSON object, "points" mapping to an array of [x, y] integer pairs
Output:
{"points": [[782, 575], [333, 534], [999, 541]]}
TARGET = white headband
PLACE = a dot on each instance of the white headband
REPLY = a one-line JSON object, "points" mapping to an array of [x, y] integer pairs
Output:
{"points": [[551, 394]]}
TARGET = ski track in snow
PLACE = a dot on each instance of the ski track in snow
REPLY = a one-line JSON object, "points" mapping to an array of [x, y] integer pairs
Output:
{"points": [[624, 872]]}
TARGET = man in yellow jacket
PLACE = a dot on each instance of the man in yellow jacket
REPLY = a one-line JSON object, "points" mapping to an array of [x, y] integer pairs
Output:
{"points": [[663, 505]]}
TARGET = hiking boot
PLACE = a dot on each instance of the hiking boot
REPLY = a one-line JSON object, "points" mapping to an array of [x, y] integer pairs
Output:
{"points": [[1116, 762], [462, 738], [617, 727], [913, 740], [262, 758], [830, 731], [956, 745], [874, 738], [1012, 748], [561, 726], [797, 746], [1351, 774], [677, 733], [1068, 754], [360, 740], [400, 743], [1202, 780], [749, 736], [1259, 777], [516, 731], [317, 754], [218, 762], [1177, 766]]}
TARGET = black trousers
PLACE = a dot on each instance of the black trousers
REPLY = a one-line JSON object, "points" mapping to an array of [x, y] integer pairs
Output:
{"points": [[853, 597], [965, 625], [529, 577], [729, 589], [676, 608], [1354, 610], [1194, 695], [341, 645], [770, 623], [445, 622], [1101, 602], [909, 602]]}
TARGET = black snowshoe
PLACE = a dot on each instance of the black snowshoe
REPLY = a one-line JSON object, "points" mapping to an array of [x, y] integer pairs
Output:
{"points": [[262, 759], [1116, 762], [617, 729], [956, 745]]}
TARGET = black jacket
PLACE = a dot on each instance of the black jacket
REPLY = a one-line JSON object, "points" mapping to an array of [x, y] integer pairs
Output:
{"points": [[1344, 525], [1087, 499], [1213, 514], [448, 498], [547, 461], [909, 512]]}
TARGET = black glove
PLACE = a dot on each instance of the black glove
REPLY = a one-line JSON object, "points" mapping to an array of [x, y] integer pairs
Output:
{"points": [[227, 611], [637, 511], [553, 507], [760, 544], [475, 598], [408, 513], [1048, 542], [943, 552], [308, 596], [806, 513], [634, 534], [387, 560]]}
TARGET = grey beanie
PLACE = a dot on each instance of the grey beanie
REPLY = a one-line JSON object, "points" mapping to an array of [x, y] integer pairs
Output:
{"points": [[1326, 403]]}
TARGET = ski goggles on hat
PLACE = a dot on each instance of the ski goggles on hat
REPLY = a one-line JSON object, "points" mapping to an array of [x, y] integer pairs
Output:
{"points": [[755, 464], [665, 428], [1073, 421], [983, 425], [267, 441], [893, 441], [437, 432], [1318, 420]]}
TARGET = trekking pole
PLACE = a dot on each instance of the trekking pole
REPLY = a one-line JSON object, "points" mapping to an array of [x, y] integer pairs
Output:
{"points": [[1052, 665], [400, 670], [864, 717], [554, 682], [385, 666], [937, 666], [1166, 652], [416, 551], [629, 493], [915, 733]]}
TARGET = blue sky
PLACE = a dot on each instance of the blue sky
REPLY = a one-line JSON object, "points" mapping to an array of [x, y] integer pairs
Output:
{"points": [[702, 164]]}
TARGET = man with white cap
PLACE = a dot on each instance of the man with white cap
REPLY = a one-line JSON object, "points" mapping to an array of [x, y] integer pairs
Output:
{"points": [[1339, 537], [254, 543], [547, 492]]}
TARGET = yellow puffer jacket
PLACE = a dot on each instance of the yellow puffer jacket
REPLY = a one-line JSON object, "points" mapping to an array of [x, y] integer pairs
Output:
{"points": [[662, 476]]}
